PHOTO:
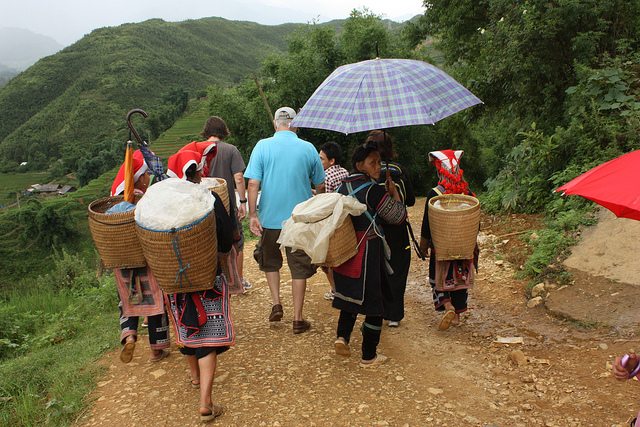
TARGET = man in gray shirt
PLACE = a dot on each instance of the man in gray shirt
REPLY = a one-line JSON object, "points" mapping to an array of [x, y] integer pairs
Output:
{"points": [[228, 164]]}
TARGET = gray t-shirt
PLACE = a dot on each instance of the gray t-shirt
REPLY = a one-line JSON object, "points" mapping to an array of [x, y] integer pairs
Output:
{"points": [[225, 164]]}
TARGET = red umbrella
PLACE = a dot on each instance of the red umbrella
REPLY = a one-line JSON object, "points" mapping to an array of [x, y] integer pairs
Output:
{"points": [[614, 185]]}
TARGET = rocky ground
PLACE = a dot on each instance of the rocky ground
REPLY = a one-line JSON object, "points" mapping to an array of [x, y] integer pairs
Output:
{"points": [[506, 365]]}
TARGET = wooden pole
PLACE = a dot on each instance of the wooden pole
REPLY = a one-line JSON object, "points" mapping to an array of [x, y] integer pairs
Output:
{"points": [[264, 98]]}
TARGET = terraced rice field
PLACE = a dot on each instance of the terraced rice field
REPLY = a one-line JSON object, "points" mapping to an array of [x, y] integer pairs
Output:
{"points": [[186, 129]]}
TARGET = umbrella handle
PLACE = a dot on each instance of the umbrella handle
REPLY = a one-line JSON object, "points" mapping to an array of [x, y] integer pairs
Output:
{"points": [[130, 125]]}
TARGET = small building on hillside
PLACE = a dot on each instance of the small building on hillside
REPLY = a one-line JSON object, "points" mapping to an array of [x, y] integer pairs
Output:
{"points": [[51, 189]]}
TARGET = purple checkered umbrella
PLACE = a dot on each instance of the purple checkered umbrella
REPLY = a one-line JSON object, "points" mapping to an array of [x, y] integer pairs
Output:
{"points": [[383, 93]]}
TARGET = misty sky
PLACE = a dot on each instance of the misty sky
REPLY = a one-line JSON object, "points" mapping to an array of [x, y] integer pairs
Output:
{"points": [[69, 20]]}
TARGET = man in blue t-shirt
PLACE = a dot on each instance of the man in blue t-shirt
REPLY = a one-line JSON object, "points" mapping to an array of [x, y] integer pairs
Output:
{"points": [[283, 167]]}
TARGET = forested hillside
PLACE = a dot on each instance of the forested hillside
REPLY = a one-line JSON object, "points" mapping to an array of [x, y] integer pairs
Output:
{"points": [[71, 105]]}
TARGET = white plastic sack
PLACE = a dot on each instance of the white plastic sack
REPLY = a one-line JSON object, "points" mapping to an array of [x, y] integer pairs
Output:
{"points": [[173, 203], [314, 221]]}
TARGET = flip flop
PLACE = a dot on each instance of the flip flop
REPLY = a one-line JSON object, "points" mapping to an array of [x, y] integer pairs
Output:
{"points": [[195, 383], [126, 354], [215, 411], [446, 320], [161, 356]]}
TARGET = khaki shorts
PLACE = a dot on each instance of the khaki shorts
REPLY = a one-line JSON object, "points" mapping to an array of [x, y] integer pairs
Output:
{"points": [[267, 254]]}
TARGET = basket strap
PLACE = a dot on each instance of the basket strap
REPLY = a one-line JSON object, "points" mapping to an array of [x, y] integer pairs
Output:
{"points": [[182, 269], [360, 187]]}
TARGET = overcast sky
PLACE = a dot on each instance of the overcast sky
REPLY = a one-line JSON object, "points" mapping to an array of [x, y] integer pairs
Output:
{"points": [[69, 20]]}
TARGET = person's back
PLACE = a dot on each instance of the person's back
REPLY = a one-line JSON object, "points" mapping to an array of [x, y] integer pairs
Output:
{"points": [[285, 165], [228, 161]]}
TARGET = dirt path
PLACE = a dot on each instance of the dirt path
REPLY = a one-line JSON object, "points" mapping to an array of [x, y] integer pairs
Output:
{"points": [[458, 377]]}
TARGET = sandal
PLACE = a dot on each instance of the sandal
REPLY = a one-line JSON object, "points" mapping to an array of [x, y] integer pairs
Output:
{"points": [[446, 320], [126, 354], [213, 412], [195, 383], [159, 357]]}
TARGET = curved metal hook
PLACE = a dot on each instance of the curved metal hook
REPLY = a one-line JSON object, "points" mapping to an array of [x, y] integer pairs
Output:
{"points": [[131, 128]]}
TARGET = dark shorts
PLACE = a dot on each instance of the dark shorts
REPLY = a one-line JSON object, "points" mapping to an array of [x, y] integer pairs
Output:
{"points": [[267, 254], [200, 352]]}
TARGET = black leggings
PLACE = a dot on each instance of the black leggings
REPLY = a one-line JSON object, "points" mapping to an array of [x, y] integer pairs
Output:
{"points": [[158, 326], [371, 329]]}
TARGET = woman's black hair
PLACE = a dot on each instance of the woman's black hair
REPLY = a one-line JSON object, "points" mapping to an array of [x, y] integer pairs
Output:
{"points": [[332, 151], [361, 152], [384, 142], [191, 172]]}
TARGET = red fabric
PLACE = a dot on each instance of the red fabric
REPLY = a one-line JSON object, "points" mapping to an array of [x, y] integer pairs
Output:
{"points": [[447, 163], [207, 149], [614, 185], [139, 167], [181, 161], [353, 267]]}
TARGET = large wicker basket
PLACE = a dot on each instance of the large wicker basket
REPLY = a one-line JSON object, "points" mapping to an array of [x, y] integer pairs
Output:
{"points": [[218, 186], [115, 235], [454, 220], [183, 259], [342, 245]]}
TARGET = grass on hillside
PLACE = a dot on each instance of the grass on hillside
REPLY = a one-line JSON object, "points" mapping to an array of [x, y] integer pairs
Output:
{"points": [[52, 332], [10, 183]]}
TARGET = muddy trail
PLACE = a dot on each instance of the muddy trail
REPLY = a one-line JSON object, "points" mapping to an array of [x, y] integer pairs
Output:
{"points": [[556, 375]]}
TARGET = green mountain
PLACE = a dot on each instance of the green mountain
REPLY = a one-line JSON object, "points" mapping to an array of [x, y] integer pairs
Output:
{"points": [[72, 104]]}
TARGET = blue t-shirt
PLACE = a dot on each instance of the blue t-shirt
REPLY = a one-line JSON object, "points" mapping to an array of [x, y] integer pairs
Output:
{"points": [[286, 166]]}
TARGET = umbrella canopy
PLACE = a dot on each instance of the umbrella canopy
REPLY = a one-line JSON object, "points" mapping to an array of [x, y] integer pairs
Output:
{"points": [[614, 185], [383, 93]]}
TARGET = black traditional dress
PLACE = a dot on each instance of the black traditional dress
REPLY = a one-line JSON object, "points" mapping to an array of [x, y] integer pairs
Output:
{"points": [[361, 281], [397, 238]]}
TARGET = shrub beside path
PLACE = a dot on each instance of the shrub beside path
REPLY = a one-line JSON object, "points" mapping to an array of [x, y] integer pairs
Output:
{"points": [[558, 376]]}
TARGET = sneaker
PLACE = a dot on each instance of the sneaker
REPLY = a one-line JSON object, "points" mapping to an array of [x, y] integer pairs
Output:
{"points": [[329, 295], [342, 347], [393, 323], [300, 326], [378, 360], [276, 313], [246, 285]]}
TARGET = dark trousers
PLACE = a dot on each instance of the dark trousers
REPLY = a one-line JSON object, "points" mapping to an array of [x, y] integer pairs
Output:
{"points": [[458, 299], [158, 326], [371, 329]]}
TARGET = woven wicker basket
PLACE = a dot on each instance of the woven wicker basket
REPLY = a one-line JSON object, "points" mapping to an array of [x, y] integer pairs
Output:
{"points": [[342, 245], [218, 186], [454, 223], [115, 235], [184, 259]]}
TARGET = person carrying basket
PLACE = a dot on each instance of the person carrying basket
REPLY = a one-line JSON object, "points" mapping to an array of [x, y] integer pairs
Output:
{"points": [[449, 279]]}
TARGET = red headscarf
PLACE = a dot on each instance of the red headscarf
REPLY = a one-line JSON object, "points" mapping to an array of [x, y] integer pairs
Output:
{"points": [[447, 163], [181, 161], [139, 167], [207, 149]]}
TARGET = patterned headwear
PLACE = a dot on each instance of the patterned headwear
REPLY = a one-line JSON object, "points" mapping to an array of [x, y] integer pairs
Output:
{"points": [[447, 163], [208, 150], [181, 161], [139, 167]]}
